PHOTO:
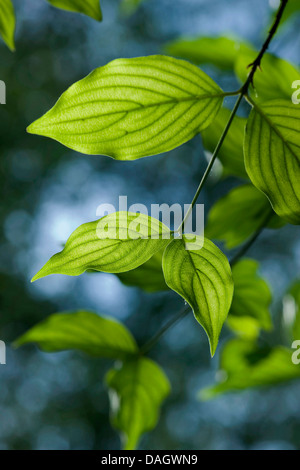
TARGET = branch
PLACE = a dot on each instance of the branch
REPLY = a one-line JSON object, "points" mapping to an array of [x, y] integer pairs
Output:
{"points": [[256, 64], [243, 91], [212, 160]]}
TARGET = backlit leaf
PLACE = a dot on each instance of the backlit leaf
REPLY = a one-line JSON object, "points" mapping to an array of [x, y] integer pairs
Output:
{"points": [[245, 365], [272, 155], [116, 243], [227, 221], [84, 331], [7, 23], [137, 390], [202, 276], [251, 300], [218, 51], [87, 7], [133, 108]]}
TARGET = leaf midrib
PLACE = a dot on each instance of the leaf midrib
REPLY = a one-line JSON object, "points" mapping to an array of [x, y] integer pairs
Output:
{"points": [[138, 108]]}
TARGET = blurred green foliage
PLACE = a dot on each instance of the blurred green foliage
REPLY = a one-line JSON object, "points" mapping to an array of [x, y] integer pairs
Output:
{"points": [[59, 401]]}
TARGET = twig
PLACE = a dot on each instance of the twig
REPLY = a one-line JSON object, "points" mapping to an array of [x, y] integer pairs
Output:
{"points": [[242, 92], [212, 160], [256, 63]]}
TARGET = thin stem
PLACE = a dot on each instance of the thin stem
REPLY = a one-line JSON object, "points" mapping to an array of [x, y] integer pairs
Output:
{"points": [[242, 92], [211, 162], [256, 64], [179, 316]]}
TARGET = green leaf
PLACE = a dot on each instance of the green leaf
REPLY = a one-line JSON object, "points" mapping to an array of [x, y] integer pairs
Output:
{"points": [[218, 51], [148, 277], [231, 153], [224, 218], [251, 300], [84, 331], [274, 78], [201, 274], [137, 390], [272, 155], [116, 243], [244, 365], [245, 327], [7, 23], [132, 108], [87, 7]]}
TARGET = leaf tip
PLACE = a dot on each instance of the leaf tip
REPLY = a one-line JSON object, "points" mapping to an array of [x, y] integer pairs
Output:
{"points": [[35, 278], [29, 129], [41, 273], [33, 128], [40, 126], [10, 42], [213, 344], [18, 342]]}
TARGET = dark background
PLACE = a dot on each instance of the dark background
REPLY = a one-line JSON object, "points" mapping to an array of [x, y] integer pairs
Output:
{"points": [[58, 401]]}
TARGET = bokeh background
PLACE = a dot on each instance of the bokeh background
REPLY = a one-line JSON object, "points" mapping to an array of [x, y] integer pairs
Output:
{"points": [[58, 401]]}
